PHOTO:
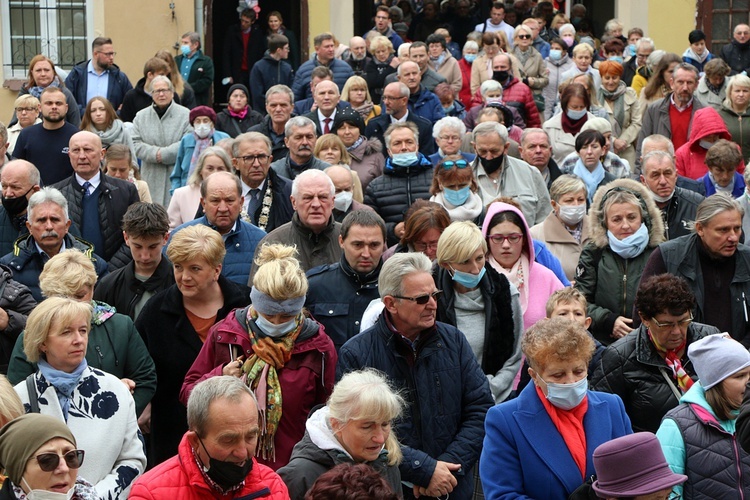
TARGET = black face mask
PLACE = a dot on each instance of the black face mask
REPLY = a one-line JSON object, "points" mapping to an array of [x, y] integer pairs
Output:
{"points": [[500, 76], [17, 205], [226, 474], [492, 166]]}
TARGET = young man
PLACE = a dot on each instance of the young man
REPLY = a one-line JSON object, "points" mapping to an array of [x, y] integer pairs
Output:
{"points": [[145, 228]]}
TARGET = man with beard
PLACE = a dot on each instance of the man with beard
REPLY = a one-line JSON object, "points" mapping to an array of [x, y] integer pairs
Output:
{"points": [[19, 180], [737, 53], [299, 136], [99, 76], [357, 56], [46, 144]]}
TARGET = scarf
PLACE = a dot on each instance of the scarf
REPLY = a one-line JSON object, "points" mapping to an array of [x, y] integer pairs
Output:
{"points": [[260, 373], [63, 382], [364, 110], [690, 53], [115, 134], [437, 61], [726, 190], [356, 144], [36, 90], [522, 55], [516, 275], [569, 423], [470, 210], [672, 358], [573, 127], [200, 146], [616, 100], [631, 246], [102, 312], [240, 115], [591, 179], [713, 88]]}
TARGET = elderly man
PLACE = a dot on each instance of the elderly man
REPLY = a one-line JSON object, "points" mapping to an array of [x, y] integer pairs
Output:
{"points": [[422, 102], [343, 203], [357, 56], [516, 94], [279, 105], [97, 202], [196, 68], [383, 26], [339, 293], [396, 98], [678, 206], [216, 455], [434, 363], [299, 137], [222, 202], [657, 142], [326, 96], [19, 180], [536, 150], [448, 133], [737, 53], [319, 74], [324, 56], [48, 226], [643, 49], [312, 228], [407, 177], [46, 144], [500, 175]]}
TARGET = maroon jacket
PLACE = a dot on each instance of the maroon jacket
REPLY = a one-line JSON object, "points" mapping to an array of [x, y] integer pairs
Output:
{"points": [[306, 380]]}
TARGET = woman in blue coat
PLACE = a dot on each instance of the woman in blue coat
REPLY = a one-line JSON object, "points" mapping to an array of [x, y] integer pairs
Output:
{"points": [[540, 445]]}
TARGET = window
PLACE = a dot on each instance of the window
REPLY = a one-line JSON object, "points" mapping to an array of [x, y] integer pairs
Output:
{"points": [[55, 28], [717, 19]]}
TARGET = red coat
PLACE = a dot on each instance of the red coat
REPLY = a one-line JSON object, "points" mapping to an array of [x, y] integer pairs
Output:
{"points": [[306, 379], [518, 96], [179, 479], [464, 95], [690, 158]]}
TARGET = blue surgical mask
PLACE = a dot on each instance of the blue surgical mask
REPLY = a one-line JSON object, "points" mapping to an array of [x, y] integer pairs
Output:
{"points": [[617, 59], [555, 54], [274, 330], [705, 144], [457, 197], [449, 108], [576, 115], [467, 279], [185, 49], [631, 49], [631, 246], [566, 396], [469, 58], [404, 159]]}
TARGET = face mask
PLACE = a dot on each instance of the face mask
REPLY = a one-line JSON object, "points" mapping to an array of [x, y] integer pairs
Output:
{"points": [[226, 474], [492, 165], [449, 108], [342, 201], [404, 159], [555, 54], [569, 40], [494, 100], [17, 205], [617, 59], [576, 115], [274, 330], [457, 197], [48, 495], [572, 214], [705, 144], [469, 58], [185, 49], [467, 279], [203, 130], [631, 49], [661, 199], [632, 246], [566, 396], [500, 76]]}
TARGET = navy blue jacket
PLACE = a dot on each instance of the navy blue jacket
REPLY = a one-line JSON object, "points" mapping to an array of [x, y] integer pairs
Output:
{"points": [[265, 74], [426, 104], [447, 395], [377, 126], [78, 83], [301, 86]]}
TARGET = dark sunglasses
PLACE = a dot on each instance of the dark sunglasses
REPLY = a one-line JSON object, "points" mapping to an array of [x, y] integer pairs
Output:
{"points": [[449, 164], [49, 461], [422, 299], [524, 37]]}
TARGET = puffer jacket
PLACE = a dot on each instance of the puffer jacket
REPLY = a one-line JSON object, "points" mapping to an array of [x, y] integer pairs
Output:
{"points": [[319, 451], [180, 479], [265, 74], [367, 160], [518, 95], [17, 302], [306, 379], [446, 392], [301, 88], [736, 55], [608, 281], [10, 229], [394, 191], [426, 104], [738, 126], [633, 369], [550, 93], [690, 158]]}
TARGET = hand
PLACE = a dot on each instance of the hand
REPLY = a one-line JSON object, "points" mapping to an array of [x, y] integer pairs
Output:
{"points": [[622, 327], [4, 318], [129, 383], [144, 421], [620, 145], [158, 156], [399, 230], [233, 368], [442, 481], [395, 62]]}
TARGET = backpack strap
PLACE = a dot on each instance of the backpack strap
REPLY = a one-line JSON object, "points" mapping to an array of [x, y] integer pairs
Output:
{"points": [[33, 398]]}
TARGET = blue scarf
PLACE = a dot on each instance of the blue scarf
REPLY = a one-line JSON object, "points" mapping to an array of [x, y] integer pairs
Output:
{"points": [[36, 91], [63, 382], [591, 179], [632, 246]]}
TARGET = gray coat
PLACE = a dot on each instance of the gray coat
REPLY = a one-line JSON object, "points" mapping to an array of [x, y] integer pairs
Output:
{"points": [[284, 169], [656, 120], [151, 134]]}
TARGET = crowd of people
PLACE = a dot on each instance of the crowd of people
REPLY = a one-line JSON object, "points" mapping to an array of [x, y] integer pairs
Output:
{"points": [[483, 250]]}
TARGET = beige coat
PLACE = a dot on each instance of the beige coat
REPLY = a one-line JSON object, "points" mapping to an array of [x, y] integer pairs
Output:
{"points": [[534, 69], [452, 73], [561, 243], [631, 125], [562, 142]]}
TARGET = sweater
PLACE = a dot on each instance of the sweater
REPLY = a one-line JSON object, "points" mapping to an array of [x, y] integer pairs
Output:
{"points": [[47, 150]]}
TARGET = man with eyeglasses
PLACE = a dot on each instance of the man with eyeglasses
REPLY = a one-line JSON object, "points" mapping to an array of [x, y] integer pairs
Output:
{"points": [[98, 77], [643, 49], [737, 53], [442, 429]]}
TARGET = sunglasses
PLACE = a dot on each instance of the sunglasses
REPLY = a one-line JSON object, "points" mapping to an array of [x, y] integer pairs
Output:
{"points": [[500, 238], [449, 164], [49, 461], [524, 37], [422, 299]]}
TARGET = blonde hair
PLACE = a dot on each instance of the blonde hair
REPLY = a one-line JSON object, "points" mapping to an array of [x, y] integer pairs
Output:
{"points": [[279, 274], [583, 47], [355, 83], [66, 274], [53, 313], [567, 295], [10, 404], [381, 41], [566, 183], [328, 140], [197, 242], [459, 241], [26, 100]]}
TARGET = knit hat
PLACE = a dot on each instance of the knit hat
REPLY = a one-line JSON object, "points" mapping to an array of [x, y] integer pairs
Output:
{"points": [[202, 111], [23, 436], [240, 87], [601, 125], [632, 465], [348, 115], [400, 28], [717, 357]]}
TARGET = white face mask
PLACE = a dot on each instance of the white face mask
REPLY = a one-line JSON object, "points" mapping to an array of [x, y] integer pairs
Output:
{"points": [[203, 130], [572, 214], [342, 201], [661, 199], [48, 495]]}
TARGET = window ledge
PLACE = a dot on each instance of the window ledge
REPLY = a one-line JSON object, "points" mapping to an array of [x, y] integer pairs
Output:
{"points": [[13, 84]]}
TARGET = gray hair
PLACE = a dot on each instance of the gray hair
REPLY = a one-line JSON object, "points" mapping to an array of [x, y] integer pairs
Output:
{"points": [[488, 128], [450, 122], [399, 267], [3, 134], [194, 37], [687, 67], [658, 139], [658, 156], [299, 122], [250, 137], [654, 57], [206, 392], [400, 66], [310, 174], [398, 125], [645, 42], [197, 175], [567, 27], [612, 24], [32, 173], [528, 131], [235, 178], [162, 78], [566, 184], [470, 45], [403, 89], [47, 195], [280, 89], [714, 205], [489, 86]]}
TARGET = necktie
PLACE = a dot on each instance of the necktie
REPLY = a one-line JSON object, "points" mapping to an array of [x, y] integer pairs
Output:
{"points": [[86, 187], [327, 126], [253, 204]]}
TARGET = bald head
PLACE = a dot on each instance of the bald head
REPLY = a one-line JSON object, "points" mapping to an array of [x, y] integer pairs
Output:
{"points": [[341, 177], [358, 48], [86, 154], [19, 179]]}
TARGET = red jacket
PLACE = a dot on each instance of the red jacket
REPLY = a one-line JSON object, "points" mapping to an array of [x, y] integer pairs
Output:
{"points": [[464, 95], [306, 380], [179, 479], [517, 95], [690, 158]]}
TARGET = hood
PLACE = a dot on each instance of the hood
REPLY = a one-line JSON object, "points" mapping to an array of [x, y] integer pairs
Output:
{"points": [[696, 396], [653, 220], [368, 147], [707, 121], [320, 432], [498, 207]]}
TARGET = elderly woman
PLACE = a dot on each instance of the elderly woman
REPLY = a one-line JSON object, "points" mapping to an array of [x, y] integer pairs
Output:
{"points": [[113, 342], [650, 368], [27, 111], [566, 32], [563, 128], [157, 132], [491, 92], [277, 348], [119, 162], [185, 203], [449, 133], [565, 231], [96, 406], [481, 303], [366, 154], [735, 113], [621, 103], [175, 322], [455, 188], [101, 118], [183, 92], [238, 116], [424, 222], [355, 92], [383, 63], [540, 444], [470, 51], [658, 85], [712, 87], [625, 226], [533, 70], [583, 55], [40, 456], [481, 68], [42, 74], [558, 63], [354, 427]]}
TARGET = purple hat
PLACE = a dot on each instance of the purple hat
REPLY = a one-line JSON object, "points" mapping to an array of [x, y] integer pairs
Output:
{"points": [[632, 465], [202, 111]]}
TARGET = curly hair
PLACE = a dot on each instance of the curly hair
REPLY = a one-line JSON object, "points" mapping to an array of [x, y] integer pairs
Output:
{"points": [[556, 339], [351, 482], [664, 293]]}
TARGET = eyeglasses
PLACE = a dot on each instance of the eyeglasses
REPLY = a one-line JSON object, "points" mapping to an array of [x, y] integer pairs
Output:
{"points": [[449, 164], [108, 54], [670, 326], [422, 247], [512, 238], [450, 138], [253, 158], [393, 98], [524, 37], [161, 91], [49, 461], [27, 110], [422, 299]]}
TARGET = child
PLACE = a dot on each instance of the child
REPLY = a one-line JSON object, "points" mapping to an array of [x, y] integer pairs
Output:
{"points": [[722, 160], [697, 54]]}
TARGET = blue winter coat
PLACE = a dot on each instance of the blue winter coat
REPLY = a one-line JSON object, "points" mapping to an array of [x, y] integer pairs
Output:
{"points": [[426, 104], [265, 74], [78, 83], [301, 86], [181, 169], [739, 185]]}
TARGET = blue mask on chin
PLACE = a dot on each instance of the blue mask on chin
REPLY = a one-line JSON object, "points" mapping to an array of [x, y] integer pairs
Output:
{"points": [[467, 279]]}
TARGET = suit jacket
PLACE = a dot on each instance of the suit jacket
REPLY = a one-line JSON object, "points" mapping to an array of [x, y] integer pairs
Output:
{"points": [[201, 77], [377, 126], [234, 51], [313, 115]]}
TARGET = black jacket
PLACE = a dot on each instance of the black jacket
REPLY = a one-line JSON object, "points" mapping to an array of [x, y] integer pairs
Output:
{"points": [[377, 126], [375, 74], [736, 55], [16, 300], [265, 74], [234, 51], [281, 205], [629, 69], [235, 126], [680, 212], [279, 149]]}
